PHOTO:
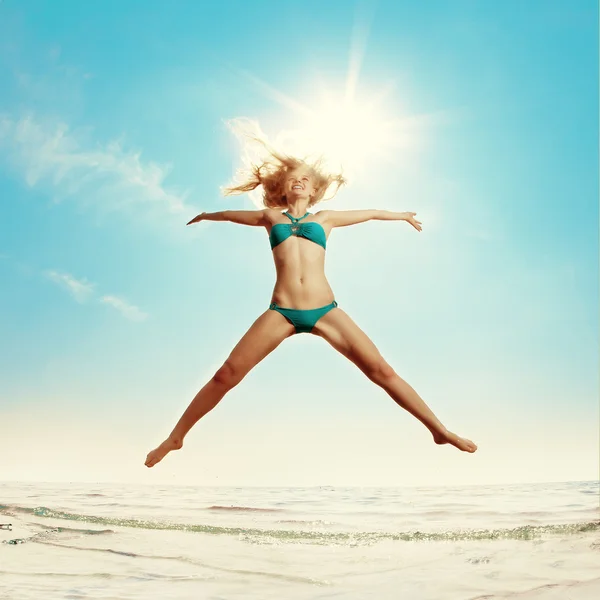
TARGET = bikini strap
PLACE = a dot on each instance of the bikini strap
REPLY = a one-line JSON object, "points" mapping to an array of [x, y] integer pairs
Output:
{"points": [[294, 219]]}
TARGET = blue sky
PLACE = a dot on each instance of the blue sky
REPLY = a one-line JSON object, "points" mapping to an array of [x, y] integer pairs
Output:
{"points": [[113, 314]]}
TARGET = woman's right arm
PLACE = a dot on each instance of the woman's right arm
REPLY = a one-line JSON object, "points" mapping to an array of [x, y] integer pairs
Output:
{"points": [[254, 218]]}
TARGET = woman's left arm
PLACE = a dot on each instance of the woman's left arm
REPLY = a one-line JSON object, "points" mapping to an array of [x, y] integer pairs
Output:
{"points": [[343, 218]]}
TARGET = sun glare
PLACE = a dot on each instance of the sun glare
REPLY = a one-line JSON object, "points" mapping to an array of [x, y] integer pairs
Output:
{"points": [[352, 135], [348, 130], [348, 134]]}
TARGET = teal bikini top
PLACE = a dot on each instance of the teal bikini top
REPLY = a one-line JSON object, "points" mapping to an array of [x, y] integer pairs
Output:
{"points": [[311, 230]]}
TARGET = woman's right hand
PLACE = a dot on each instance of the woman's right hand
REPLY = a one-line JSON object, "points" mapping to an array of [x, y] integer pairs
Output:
{"points": [[197, 218]]}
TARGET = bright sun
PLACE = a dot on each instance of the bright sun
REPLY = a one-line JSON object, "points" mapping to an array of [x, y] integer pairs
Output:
{"points": [[348, 129], [349, 133]]}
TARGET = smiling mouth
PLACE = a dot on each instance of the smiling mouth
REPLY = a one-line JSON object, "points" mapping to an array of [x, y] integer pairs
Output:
{"points": [[297, 187]]}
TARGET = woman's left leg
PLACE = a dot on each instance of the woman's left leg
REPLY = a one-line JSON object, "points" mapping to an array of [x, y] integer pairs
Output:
{"points": [[337, 328]]}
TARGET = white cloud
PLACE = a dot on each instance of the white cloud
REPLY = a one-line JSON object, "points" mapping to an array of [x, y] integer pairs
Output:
{"points": [[72, 164], [81, 290], [127, 310]]}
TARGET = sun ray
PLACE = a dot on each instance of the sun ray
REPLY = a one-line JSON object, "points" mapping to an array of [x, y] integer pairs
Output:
{"points": [[381, 96], [358, 46], [349, 129], [275, 94], [420, 120]]}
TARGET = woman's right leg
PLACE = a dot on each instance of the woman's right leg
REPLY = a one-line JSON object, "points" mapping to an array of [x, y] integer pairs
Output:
{"points": [[265, 334]]}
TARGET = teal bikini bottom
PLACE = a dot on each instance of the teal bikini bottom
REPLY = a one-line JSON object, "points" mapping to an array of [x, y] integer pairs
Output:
{"points": [[303, 320]]}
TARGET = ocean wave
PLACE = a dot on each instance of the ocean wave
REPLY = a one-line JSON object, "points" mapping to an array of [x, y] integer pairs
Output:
{"points": [[48, 531], [184, 559], [311, 523], [566, 589], [243, 509], [266, 536]]}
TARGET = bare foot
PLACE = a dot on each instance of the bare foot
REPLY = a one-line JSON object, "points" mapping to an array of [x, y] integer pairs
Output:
{"points": [[448, 437], [156, 455]]}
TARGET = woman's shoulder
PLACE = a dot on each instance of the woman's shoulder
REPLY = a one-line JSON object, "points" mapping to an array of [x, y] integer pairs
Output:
{"points": [[323, 215], [272, 214]]}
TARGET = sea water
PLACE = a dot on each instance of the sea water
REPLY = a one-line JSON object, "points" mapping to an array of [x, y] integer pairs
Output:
{"points": [[109, 541]]}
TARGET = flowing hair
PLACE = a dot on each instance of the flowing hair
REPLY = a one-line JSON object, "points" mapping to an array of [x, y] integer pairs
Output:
{"points": [[271, 171]]}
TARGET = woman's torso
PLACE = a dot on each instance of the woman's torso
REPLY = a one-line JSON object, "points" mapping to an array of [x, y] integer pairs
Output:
{"points": [[300, 267]]}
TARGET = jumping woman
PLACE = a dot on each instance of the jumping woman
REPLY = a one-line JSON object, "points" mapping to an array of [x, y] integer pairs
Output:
{"points": [[302, 300]]}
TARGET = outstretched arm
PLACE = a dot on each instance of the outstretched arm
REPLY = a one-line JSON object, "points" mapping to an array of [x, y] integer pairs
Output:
{"points": [[343, 218], [254, 218]]}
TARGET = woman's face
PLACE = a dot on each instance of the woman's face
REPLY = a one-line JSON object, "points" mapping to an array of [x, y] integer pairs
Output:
{"points": [[299, 184]]}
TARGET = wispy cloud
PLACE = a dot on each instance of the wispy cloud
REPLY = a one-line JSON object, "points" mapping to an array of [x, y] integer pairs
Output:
{"points": [[83, 290], [80, 289], [127, 310], [72, 164]]}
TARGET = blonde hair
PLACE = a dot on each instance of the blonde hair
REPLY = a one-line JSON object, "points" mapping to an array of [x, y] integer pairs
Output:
{"points": [[271, 174]]}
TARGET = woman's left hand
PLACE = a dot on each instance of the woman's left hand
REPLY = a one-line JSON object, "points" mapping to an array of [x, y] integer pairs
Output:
{"points": [[410, 218]]}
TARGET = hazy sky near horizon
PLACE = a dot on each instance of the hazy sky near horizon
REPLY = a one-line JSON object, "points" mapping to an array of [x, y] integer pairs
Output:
{"points": [[113, 314]]}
